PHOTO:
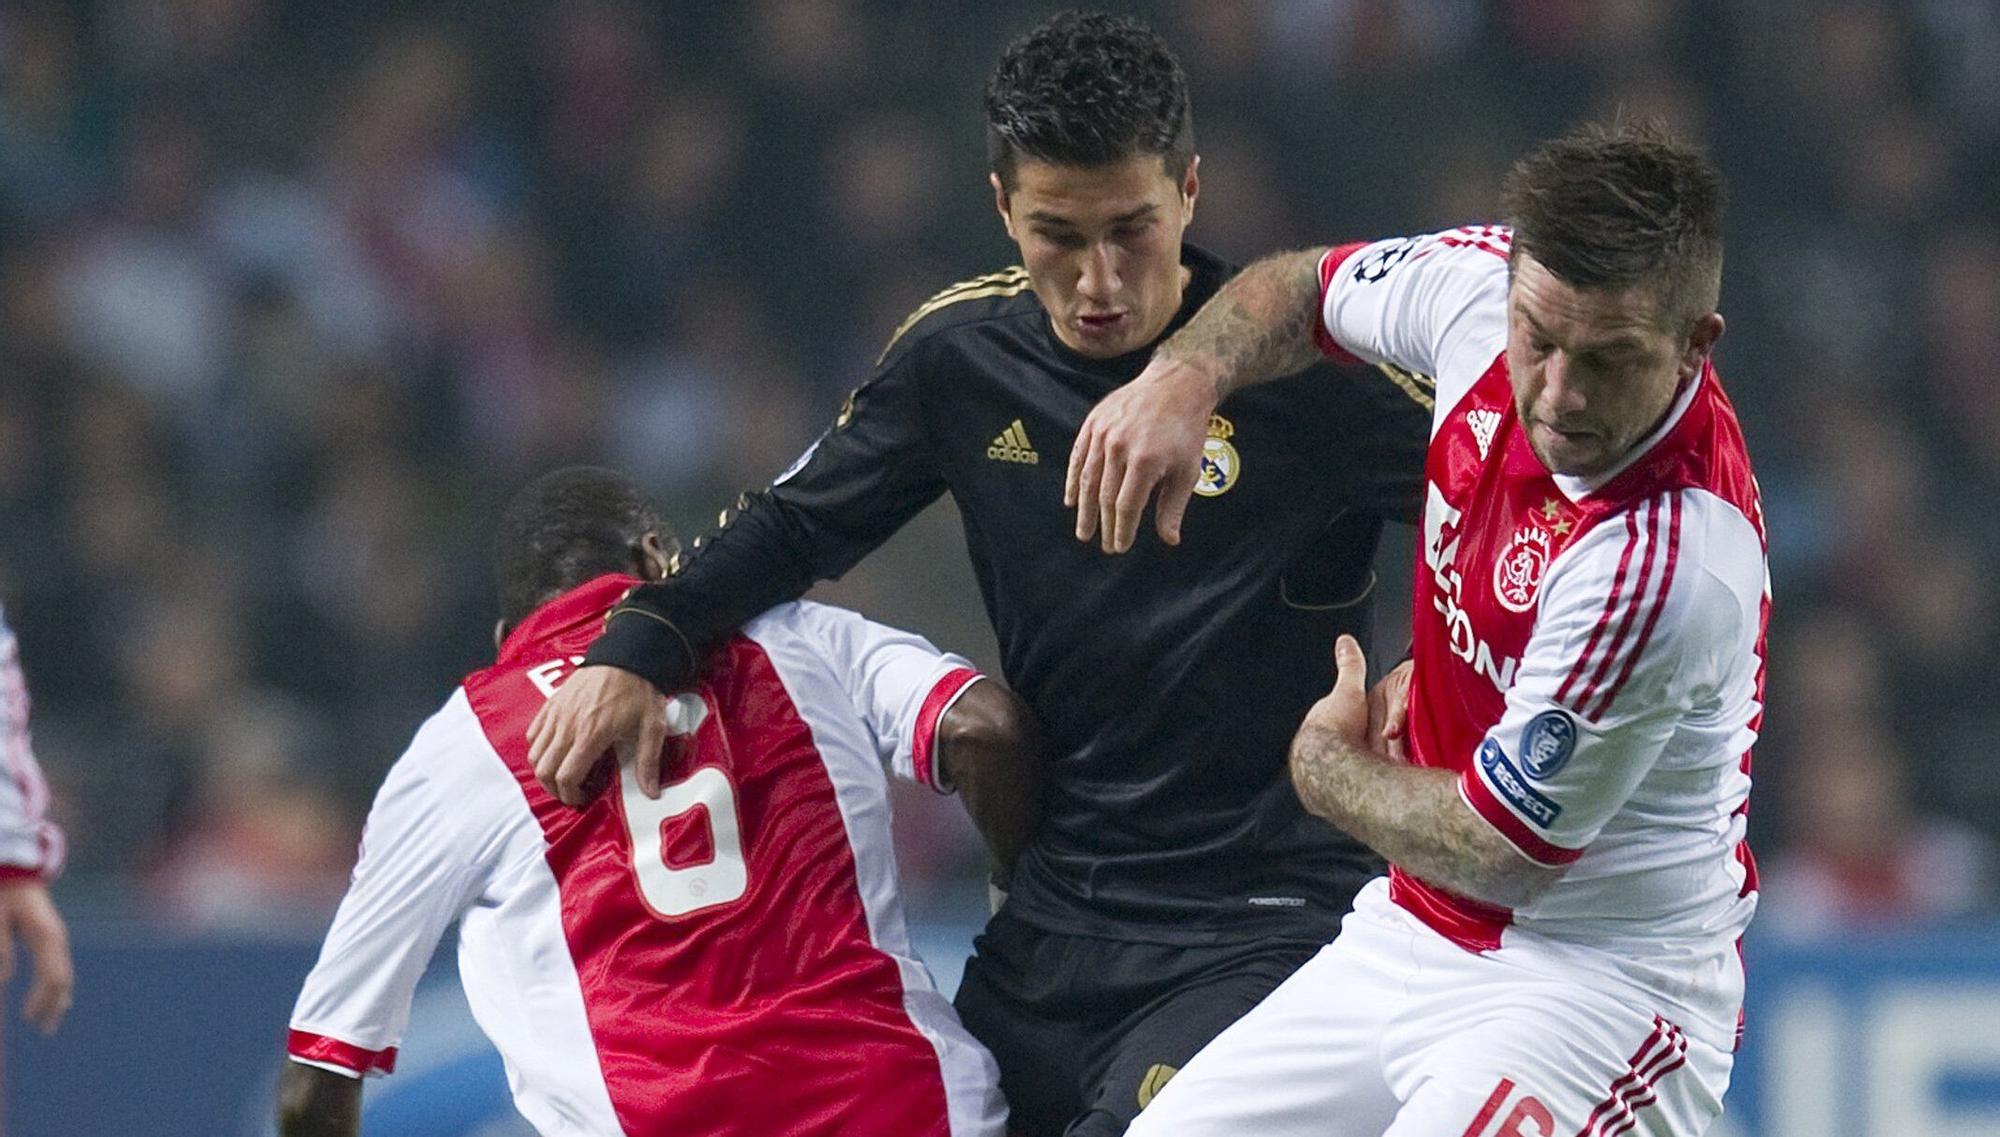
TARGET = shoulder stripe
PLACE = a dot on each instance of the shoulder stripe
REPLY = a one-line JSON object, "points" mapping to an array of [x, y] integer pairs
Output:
{"points": [[1495, 239], [1576, 672], [1420, 388], [1006, 282], [1606, 664], [1631, 608], [1666, 584]]}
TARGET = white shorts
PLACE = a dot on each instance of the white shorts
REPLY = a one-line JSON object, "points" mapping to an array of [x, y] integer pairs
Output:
{"points": [[1394, 1031]]}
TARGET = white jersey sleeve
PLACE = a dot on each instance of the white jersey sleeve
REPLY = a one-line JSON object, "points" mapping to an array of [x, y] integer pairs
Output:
{"points": [[899, 683], [1433, 307], [1642, 656], [425, 855], [30, 844]]}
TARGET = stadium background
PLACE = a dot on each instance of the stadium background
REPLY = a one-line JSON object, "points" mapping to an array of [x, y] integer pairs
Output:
{"points": [[292, 295]]}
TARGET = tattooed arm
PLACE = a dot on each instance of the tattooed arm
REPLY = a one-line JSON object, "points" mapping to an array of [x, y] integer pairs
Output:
{"points": [[1149, 433], [1258, 327], [1411, 815]]}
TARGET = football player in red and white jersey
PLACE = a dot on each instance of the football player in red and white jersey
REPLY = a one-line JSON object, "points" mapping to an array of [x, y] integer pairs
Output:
{"points": [[1555, 947], [723, 954], [31, 854]]}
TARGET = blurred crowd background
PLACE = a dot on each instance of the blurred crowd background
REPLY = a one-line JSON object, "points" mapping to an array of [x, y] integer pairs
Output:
{"points": [[294, 295]]}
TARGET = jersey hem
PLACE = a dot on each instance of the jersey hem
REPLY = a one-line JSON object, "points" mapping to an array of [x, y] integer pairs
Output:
{"points": [[333, 1054], [944, 694], [1473, 790], [1328, 265]]}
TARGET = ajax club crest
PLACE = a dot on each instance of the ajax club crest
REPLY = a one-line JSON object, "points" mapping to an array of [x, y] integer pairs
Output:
{"points": [[1517, 571], [1220, 464]]}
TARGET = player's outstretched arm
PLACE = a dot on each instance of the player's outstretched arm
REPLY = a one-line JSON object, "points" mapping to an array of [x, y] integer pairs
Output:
{"points": [[852, 490], [27, 914], [990, 748], [1411, 815], [317, 1103], [1147, 435]]}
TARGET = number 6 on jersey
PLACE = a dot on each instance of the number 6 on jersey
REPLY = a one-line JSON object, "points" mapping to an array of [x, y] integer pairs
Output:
{"points": [[671, 891]]}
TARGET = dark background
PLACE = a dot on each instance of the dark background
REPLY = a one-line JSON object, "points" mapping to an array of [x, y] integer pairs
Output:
{"points": [[294, 295]]}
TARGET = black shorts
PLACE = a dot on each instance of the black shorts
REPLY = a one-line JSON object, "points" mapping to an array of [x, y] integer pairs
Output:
{"points": [[1087, 1030]]}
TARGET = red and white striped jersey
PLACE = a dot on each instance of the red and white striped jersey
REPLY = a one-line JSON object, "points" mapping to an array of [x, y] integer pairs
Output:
{"points": [[729, 959], [1589, 652], [30, 844]]}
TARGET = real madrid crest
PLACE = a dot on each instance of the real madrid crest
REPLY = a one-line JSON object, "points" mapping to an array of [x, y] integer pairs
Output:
{"points": [[1220, 464], [1517, 571]]}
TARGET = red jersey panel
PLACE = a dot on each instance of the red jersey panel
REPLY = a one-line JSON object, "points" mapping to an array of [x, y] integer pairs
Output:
{"points": [[731, 955]]}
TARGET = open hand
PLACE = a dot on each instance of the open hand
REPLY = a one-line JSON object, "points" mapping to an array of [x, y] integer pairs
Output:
{"points": [[1146, 435], [27, 913], [597, 712]]}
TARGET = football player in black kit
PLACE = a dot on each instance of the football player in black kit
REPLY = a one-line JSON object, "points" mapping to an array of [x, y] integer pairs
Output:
{"points": [[1176, 879]]}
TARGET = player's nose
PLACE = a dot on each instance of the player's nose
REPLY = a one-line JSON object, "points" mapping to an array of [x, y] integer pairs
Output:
{"points": [[1561, 395], [1098, 280]]}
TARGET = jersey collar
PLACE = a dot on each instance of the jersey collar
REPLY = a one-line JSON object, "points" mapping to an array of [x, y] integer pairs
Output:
{"points": [[1576, 489], [586, 603]]}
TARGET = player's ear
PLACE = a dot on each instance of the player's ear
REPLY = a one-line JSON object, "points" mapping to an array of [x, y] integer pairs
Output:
{"points": [[1190, 188], [1701, 341], [1000, 204], [499, 634], [655, 558]]}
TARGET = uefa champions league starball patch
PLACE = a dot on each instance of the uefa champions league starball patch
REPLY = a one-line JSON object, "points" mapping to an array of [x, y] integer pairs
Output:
{"points": [[1547, 743]]}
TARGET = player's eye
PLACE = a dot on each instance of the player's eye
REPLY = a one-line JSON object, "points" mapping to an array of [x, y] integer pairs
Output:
{"points": [[1061, 238]]}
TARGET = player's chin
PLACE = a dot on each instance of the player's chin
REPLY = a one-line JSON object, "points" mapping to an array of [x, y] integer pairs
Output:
{"points": [[1574, 454]]}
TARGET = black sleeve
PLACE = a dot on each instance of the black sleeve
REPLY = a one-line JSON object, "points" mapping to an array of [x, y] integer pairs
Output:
{"points": [[1389, 416], [869, 473]]}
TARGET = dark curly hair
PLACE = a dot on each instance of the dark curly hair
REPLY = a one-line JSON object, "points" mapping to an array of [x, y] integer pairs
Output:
{"points": [[1088, 89], [1623, 204], [567, 527]]}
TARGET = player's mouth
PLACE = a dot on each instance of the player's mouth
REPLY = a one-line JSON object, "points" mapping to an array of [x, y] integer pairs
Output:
{"points": [[1100, 325]]}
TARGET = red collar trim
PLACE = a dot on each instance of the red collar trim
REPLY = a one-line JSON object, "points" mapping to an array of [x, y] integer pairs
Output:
{"points": [[583, 604]]}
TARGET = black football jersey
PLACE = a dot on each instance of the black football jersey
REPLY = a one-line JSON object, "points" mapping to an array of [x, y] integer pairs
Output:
{"points": [[1168, 680]]}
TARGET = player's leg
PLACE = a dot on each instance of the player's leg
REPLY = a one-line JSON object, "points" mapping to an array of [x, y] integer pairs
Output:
{"points": [[1305, 1062], [1190, 996], [1541, 1058], [1016, 999]]}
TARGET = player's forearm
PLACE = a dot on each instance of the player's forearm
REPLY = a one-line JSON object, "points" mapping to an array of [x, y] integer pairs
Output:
{"points": [[1414, 817], [991, 752], [317, 1103], [663, 631], [1258, 327]]}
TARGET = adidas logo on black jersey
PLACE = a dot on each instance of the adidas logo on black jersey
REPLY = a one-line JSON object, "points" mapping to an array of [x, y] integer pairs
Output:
{"points": [[1013, 446]]}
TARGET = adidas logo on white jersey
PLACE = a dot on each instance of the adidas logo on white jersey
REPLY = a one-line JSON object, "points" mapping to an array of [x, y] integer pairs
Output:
{"points": [[1013, 446], [1483, 424]]}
